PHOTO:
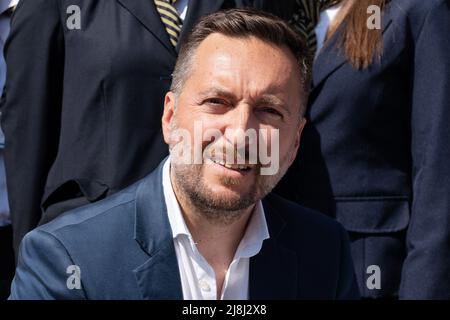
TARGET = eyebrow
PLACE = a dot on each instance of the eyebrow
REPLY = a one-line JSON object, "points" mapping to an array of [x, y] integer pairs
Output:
{"points": [[218, 92], [271, 99], [266, 99]]}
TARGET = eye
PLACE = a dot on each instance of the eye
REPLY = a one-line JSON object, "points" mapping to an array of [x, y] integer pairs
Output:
{"points": [[271, 111], [215, 101]]}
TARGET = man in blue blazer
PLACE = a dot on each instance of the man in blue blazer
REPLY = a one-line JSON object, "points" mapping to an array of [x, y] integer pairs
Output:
{"points": [[204, 225]]}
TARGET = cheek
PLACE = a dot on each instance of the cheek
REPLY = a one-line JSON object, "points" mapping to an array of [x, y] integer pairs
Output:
{"points": [[184, 119], [274, 140], [287, 141]]}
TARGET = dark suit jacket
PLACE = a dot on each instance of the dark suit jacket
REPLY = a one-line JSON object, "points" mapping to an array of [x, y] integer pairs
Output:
{"points": [[375, 154], [124, 248], [82, 111]]}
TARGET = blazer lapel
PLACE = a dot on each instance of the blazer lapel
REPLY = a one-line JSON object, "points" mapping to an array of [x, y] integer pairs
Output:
{"points": [[159, 277], [331, 59], [274, 270], [145, 12]]}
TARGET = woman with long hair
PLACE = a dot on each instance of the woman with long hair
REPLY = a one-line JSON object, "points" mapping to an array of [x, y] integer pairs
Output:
{"points": [[375, 153]]}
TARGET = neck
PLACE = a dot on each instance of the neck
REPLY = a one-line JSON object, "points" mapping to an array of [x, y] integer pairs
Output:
{"points": [[216, 239]]}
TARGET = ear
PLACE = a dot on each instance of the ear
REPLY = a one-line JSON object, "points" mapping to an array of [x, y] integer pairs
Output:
{"points": [[297, 140], [168, 115]]}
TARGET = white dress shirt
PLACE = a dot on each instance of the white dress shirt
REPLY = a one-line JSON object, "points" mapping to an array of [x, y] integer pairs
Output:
{"points": [[326, 17], [198, 279]]}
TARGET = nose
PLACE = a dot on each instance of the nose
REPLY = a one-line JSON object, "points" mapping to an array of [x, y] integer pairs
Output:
{"points": [[240, 120], [241, 131]]}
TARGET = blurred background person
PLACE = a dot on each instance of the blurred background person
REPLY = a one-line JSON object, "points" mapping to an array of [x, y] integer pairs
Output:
{"points": [[208, 230], [83, 98], [375, 152], [6, 251]]}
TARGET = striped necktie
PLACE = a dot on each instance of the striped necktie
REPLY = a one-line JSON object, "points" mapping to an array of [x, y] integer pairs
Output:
{"points": [[306, 16], [170, 18]]}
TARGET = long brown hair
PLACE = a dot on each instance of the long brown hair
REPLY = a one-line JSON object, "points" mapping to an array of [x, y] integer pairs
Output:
{"points": [[361, 45]]}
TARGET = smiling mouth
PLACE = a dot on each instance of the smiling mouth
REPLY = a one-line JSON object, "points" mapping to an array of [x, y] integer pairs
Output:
{"points": [[235, 167]]}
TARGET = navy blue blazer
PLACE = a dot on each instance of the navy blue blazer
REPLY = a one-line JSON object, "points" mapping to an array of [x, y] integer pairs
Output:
{"points": [[375, 154], [124, 248]]}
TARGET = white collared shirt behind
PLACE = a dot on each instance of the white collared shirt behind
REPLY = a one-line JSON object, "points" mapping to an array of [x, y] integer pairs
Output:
{"points": [[326, 18], [197, 276]]}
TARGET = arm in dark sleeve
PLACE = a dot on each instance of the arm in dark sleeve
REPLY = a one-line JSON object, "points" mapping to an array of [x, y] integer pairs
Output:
{"points": [[426, 270], [347, 285], [45, 270], [32, 107]]}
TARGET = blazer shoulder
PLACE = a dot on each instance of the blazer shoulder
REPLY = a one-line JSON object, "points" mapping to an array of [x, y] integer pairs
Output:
{"points": [[417, 5], [415, 15], [416, 10], [91, 211]]}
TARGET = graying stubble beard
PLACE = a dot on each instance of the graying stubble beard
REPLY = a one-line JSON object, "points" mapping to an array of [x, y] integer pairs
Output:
{"points": [[190, 187]]}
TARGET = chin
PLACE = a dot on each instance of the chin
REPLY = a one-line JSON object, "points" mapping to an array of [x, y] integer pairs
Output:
{"points": [[219, 190], [231, 188]]}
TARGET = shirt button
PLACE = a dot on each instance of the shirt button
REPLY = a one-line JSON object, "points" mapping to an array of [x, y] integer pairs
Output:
{"points": [[204, 285]]}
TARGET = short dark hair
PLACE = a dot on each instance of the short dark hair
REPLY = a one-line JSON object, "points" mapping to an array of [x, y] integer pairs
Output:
{"points": [[243, 23]]}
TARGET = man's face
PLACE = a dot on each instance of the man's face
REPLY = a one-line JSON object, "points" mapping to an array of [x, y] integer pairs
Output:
{"points": [[235, 85]]}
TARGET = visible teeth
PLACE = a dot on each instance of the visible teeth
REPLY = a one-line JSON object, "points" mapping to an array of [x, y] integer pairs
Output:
{"points": [[236, 166], [230, 166]]}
